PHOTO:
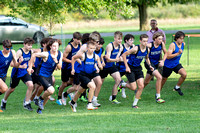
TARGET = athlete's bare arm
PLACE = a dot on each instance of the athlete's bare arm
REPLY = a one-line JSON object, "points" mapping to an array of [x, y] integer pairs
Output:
{"points": [[171, 50], [68, 49], [108, 53], [124, 55]]}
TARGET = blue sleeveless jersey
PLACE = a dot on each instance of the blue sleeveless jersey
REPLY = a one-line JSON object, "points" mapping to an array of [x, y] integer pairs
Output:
{"points": [[121, 65], [20, 72], [77, 67], [88, 65], [48, 67], [5, 63], [171, 63], [154, 55], [113, 55], [100, 52], [136, 59], [38, 60], [72, 53]]}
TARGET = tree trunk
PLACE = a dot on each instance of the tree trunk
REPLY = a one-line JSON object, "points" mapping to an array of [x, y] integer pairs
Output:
{"points": [[143, 16]]}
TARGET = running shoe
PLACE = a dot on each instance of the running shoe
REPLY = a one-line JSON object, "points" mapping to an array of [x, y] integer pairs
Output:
{"points": [[39, 111], [73, 107], [59, 102], [159, 100], [28, 107], [179, 91], [95, 103], [91, 107], [3, 105], [115, 101]]}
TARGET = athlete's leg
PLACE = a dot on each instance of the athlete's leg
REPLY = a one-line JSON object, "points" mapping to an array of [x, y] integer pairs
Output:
{"points": [[183, 74], [117, 78], [3, 87], [147, 79], [158, 81], [29, 91]]}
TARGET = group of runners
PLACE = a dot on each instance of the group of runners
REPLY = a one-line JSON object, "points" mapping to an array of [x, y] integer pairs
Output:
{"points": [[84, 67]]}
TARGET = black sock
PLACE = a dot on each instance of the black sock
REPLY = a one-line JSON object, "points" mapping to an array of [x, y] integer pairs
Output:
{"points": [[59, 97], [113, 97], [0, 93], [72, 102], [89, 102], [41, 98], [65, 94]]}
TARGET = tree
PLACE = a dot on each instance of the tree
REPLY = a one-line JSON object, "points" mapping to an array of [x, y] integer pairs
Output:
{"points": [[144, 4]]}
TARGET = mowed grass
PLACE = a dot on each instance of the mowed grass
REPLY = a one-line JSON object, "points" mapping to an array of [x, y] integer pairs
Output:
{"points": [[178, 114]]}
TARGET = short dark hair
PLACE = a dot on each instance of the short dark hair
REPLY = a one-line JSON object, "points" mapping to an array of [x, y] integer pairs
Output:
{"points": [[77, 35], [29, 40], [157, 34], [7, 43], [44, 41], [143, 36], [128, 36], [85, 38], [51, 41], [101, 41], [178, 35]]}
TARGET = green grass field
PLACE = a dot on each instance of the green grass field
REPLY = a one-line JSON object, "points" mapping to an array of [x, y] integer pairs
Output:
{"points": [[178, 114]]}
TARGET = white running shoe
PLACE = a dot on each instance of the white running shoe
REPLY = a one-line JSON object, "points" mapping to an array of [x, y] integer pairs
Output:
{"points": [[91, 107], [110, 98], [73, 107], [51, 98], [123, 93], [74, 104], [95, 103], [64, 100]]}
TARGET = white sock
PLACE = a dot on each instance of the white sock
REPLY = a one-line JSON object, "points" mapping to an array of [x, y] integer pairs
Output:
{"points": [[124, 84], [157, 95], [94, 98], [177, 87], [135, 102], [4, 100], [36, 97], [26, 103]]}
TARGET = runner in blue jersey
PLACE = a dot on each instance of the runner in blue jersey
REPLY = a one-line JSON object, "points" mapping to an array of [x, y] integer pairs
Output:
{"points": [[156, 47], [6, 56], [38, 89], [112, 55], [172, 62], [88, 72], [67, 79], [21, 74], [133, 68], [95, 38], [128, 39], [99, 51], [51, 60]]}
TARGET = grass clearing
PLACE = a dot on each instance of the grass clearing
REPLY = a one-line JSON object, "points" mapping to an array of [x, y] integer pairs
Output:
{"points": [[124, 25], [178, 114]]}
